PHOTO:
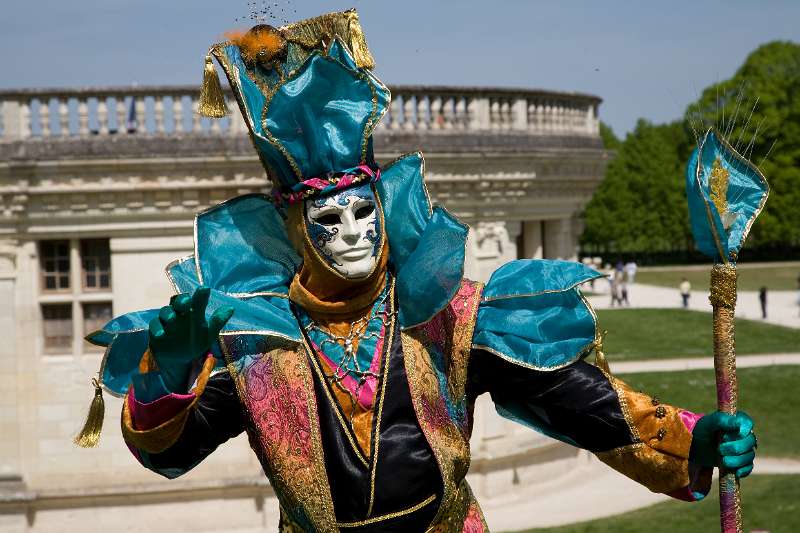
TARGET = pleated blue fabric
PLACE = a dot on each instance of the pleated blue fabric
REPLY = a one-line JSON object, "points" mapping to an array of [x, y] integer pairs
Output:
{"points": [[533, 314]]}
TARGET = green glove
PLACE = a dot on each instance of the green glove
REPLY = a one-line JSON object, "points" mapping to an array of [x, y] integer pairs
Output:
{"points": [[725, 441], [181, 334]]}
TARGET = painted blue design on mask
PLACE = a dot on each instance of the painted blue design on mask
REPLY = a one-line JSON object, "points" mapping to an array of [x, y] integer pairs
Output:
{"points": [[320, 235], [373, 236]]}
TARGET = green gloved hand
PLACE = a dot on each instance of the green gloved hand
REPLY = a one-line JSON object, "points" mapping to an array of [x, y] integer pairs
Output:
{"points": [[725, 441], [181, 334]]}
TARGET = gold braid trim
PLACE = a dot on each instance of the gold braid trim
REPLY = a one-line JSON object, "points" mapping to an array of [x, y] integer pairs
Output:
{"points": [[319, 31], [723, 286], [723, 298], [621, 388], [388, 516], [161, 437]]}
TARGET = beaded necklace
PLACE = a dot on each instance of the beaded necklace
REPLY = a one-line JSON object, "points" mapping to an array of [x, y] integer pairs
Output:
{"points": [[371, 327]]}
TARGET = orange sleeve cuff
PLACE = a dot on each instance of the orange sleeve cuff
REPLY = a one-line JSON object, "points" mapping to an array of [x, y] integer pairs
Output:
{"points": [[164, 432]]}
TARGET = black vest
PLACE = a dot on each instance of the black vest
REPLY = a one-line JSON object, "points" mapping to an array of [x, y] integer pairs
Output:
{"points": [[407, 482]]}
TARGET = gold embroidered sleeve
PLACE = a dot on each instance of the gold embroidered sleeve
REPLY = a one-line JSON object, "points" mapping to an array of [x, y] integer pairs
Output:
{"points": [[659, 455]]}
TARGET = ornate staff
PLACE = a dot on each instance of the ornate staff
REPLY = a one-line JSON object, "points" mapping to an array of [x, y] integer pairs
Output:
{"points": [[726, 192]]}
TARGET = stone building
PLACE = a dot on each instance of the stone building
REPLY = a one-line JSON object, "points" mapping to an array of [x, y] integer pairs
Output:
{"points": [[98, 189]]}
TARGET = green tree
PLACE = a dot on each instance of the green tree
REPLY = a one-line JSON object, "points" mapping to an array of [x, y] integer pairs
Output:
{"points": [[641, 204], [638, 207], [610, 139]]}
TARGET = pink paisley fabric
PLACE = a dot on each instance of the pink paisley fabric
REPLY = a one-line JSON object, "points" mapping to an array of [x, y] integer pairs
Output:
{"points": [[277, 399], [277, 390], [449, 328], [473, 523]]}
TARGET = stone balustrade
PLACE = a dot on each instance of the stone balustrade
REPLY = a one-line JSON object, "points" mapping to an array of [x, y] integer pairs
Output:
{"points": [[60, 113]]}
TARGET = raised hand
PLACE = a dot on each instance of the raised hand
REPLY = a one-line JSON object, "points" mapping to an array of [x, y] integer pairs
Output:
{"points": [[726, 441], [181, 334]]}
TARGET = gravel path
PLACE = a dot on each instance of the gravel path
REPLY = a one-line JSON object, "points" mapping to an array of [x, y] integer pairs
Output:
{"points": [[782, 308], [677, 365]]}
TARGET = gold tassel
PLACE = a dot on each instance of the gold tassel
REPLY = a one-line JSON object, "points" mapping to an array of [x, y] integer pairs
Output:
{"points": [[358, 44], [600, 360], [212, 99], [89, 436]]}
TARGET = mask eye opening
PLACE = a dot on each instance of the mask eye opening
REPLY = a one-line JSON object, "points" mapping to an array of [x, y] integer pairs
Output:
{"points": [[365, 211], [328, 219]]}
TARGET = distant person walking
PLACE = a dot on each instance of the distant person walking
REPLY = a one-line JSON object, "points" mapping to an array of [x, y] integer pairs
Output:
{"points": [[623, 288], [630, 270], [612, 283], [762, 298], [618, 290], [686, 291]]}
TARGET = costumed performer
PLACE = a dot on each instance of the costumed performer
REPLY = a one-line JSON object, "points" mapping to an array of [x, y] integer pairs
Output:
{"points": [[331, 321]]}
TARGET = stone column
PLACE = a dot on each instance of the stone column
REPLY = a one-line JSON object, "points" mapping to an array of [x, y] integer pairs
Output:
{"points": [[532, 242], [10, 467], [478, 113], [76, 284], [16, 120], [559, 240], [519, 114]]}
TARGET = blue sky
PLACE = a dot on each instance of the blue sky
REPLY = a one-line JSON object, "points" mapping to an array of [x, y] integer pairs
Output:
{"points": [[645, 59]]}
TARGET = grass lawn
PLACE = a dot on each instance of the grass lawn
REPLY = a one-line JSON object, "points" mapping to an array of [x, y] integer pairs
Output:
{"points": [[770, 503], [765, 393], [778, 278], [667, 333]]}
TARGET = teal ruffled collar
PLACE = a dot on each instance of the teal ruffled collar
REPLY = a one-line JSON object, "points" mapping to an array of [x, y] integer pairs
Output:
{"points": [[243, 254]]}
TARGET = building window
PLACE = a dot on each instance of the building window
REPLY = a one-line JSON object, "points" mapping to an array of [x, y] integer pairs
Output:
{"points": [[96, 264], [57, 320], [95, 316], [75, 295], [54, 261]]}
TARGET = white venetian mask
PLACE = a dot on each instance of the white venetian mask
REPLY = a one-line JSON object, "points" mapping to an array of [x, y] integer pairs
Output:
{"points": [[346, 230]]}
